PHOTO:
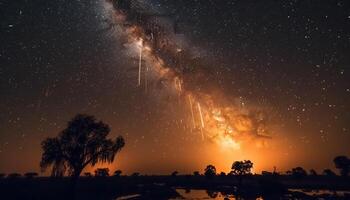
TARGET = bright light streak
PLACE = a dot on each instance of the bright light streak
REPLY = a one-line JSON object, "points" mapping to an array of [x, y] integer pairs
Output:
{"points": [[201, 114], [178, 85], [202, 120], [140, 65], [192, 114]]}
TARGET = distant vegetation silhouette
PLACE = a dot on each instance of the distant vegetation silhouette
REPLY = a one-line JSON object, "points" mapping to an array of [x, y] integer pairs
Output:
{"points": [[31, 174], [210, 171], [87, 174], [136, 174], [343, 164], [175, 173], [196, 173], [313, 172], [102, 172], [117, 173], [84, 142], [14, 175], [241, 167], [328, 172], [298, 172]]}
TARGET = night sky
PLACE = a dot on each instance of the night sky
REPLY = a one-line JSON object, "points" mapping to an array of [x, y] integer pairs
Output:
{"points": [[281, 66]]}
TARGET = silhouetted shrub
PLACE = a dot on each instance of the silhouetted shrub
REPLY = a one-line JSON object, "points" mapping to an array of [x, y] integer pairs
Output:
{"points": [[88, 174], [343, 164], [175, 173], [299, 172], [328, 172], [266, 173], [136, 174], [313, 172], [102, 172], [14, 175], [117, 173], [196, 173], [2, 175], [31, 174]]}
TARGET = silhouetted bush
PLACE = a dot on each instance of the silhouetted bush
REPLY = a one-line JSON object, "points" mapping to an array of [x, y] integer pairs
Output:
{"points": [[136, 174], [299, 172], [2, 175], [343, 164], [117, 172], [88, 174], [102, 172], [175, 173], [196, 173], [266, 173], [312, 172], [328, 172], [31, 174], [14, 175]]}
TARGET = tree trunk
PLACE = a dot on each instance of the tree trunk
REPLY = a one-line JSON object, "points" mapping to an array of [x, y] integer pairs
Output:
{"points": [[74, 181]]}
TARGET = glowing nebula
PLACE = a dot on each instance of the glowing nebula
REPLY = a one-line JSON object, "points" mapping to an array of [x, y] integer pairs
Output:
{"points": [[214, 116]]}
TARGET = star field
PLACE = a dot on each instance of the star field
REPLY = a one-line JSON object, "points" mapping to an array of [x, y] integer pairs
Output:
{"points": [[290, 57]]}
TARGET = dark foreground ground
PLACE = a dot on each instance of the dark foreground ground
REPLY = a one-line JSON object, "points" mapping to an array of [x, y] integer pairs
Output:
{"points": [[177, 187]]}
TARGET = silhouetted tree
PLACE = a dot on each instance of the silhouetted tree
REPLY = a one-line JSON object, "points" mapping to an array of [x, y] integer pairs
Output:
{"points": [[210, 171], [2, 175], [242, 167], [136, 174], [31, 174], [14, 175], [299, 172], [84, 142], [196, 173], [102, 172], [222, 174], [175, 173], [117, 172], [343, 164], [88, 174], [313, 172], [328, 172]]}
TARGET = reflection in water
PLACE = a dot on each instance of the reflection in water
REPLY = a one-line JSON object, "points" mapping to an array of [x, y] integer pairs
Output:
{"points": [[199, 194], [202, 194], [337, 193], [128, 197], [205, 194]]}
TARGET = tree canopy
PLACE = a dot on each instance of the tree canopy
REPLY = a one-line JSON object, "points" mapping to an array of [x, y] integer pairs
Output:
{"points": [[210, 171], [84, 142], [242, 167]]}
